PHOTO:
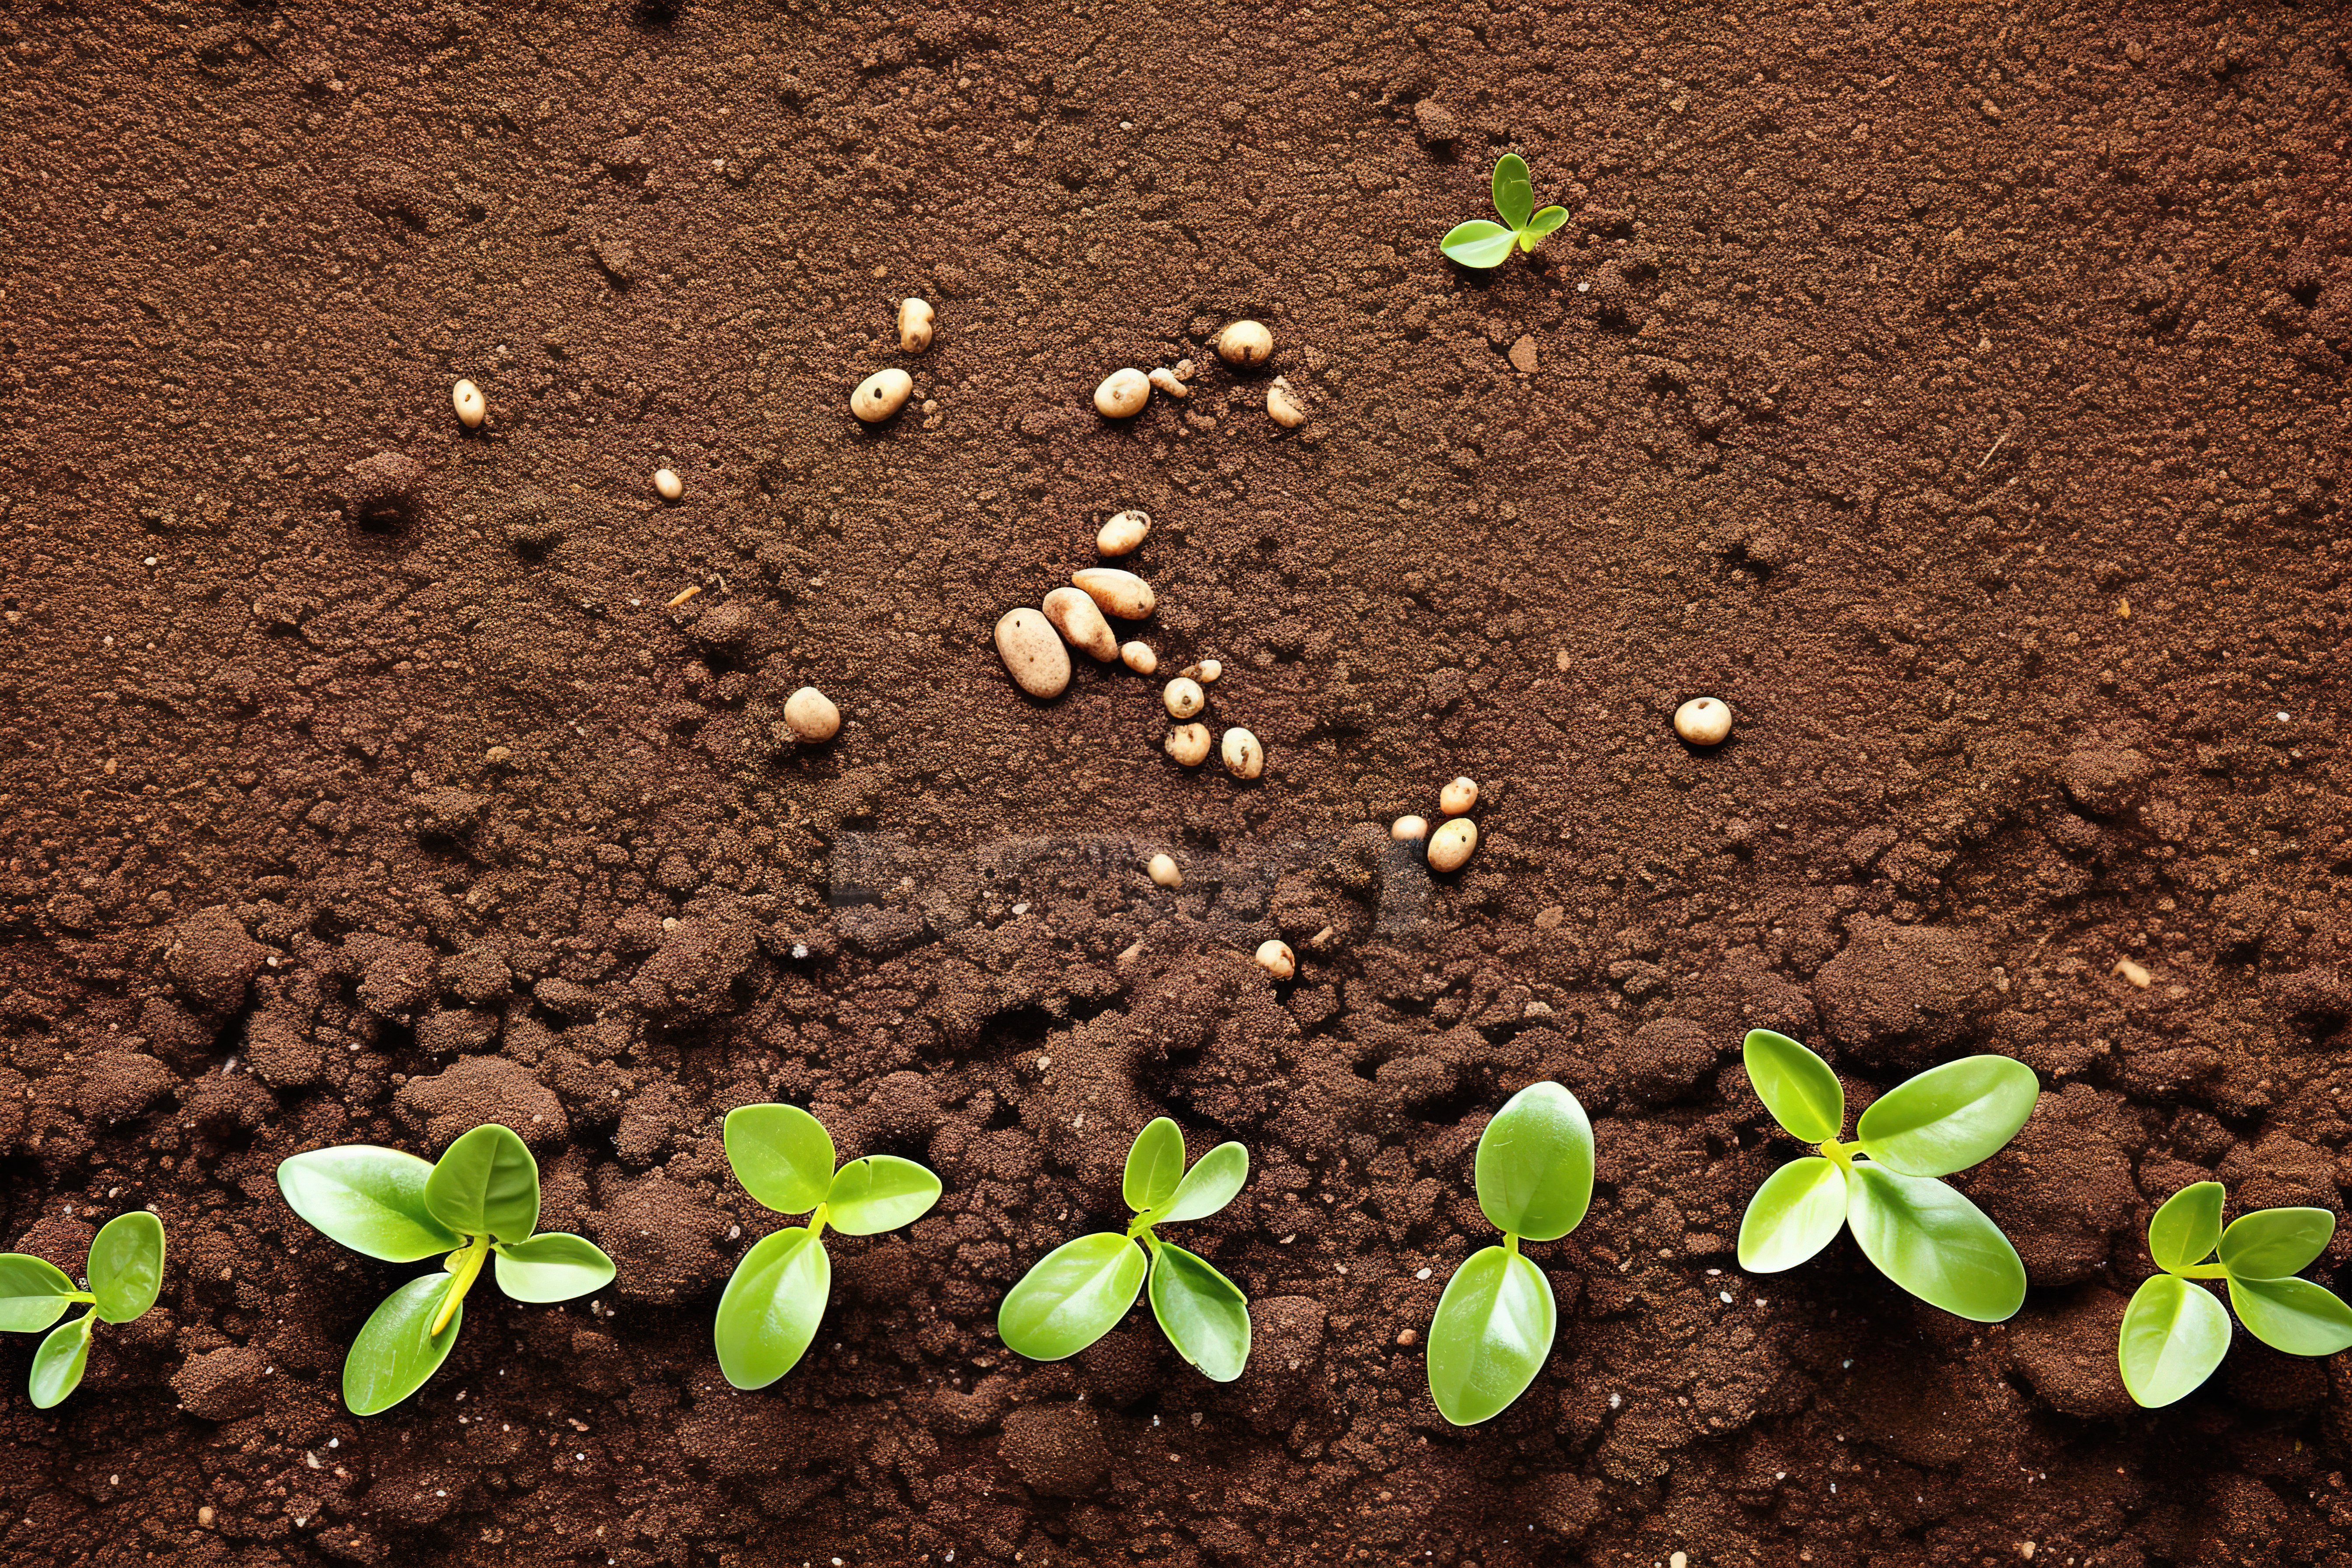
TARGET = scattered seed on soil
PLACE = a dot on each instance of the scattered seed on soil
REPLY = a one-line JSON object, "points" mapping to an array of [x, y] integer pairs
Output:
{"points": [[1283, 406], [1033, 652], [1451, 844], [2133, 972], [1166, 872], [471, 406], [1189, 744], [1123, 532], [1276, 959], [681, 596], [1167, 381], [810, 715], [1120, 594], [1138, 657], [915, 325], [667, 485], [1183, 697], [1205, 672], [881, 394], [1081, 624], [1703, 721], [1244, 758], [1458, 796], [1245, 344], [1409, 829], [1122, 395]]}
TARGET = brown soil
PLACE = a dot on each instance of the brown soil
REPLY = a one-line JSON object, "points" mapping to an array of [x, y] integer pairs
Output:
{"points": [[1962, 395]]}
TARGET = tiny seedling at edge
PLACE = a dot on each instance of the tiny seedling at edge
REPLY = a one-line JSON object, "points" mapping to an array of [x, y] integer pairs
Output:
{"points": [[1495, 1323], [1921, 1233], [478, 1203], [1079, 1291], [126, 1270], [2175, 1333], [783, 1157], [1479, 243]]}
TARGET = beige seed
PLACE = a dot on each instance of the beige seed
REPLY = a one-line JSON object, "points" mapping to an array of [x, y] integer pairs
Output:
{"points": [[1703, 721], [1081, 625], [915, 325], [1122, 395], [1166, 381], [1244, 758], [1138, 657], [2132, 972], [472, 409], [881, 394], [1123, 532], [1283, 406], [205, 1517], [1205, 672], [1120, 594], [1166, 872], [1183, 697], [1245, 344], [1033, 652], [811, 716], [1276, 959], [667, 485], [1189, 744], [1451, 844], [1458, 796], [1682, 1560], [1409, 829]]}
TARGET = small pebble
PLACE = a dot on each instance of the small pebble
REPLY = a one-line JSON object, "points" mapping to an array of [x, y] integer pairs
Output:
{"points": [[1282, 406], [1276, 959], [1123, 532], [1244, 758], [1189, 744], [204, 1515], [881, 394], [811, 716], [1120, 594], [1122, 395], [1407, 1337], [1033, 652], [1245, 344], [1205, 672], [667, 485], [467, 399], [1409, 829], [1703, 721], [1081, 625], [1166, 381], [1451, 844], [914, 318], [1183, 697], [1458, 796], [1166, 872], [1138, 657]]}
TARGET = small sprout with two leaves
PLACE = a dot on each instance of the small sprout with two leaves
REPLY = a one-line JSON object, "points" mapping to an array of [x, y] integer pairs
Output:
{"points": [[478, 1203], [1495, 1323], [126, 1270], [774, 1300], [1920, 1232], [1479, 243], [2175, 1333], [1079, 1291]]}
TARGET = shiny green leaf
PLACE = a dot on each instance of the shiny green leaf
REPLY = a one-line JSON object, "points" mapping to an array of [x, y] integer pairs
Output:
{"points": [[1075, 1295], [2272, 1244], [1208, 1186], [1798, 1211], [485, 1183], [1204, 1315], [34, 1294], [2175, 1333], [1542, 224], [1929, 1239], [1515, 192], [1493, 1329], [771, 1308], [58, 1366], [781, 1154], [1948, 1118], [126, 1265], [1534, 1167], [1796, 1086], [369, 1199], [879, 1193], [551, 1267], [396, 1350], [2292, 1315], [1155, 1164], [2184, 1232], [1478, 243]]}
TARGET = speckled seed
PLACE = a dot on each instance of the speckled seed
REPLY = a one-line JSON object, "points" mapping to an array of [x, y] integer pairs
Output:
{"points": [[667, 485], [1703, 721], [1276, 959], [1189, 744], [1120, 594], [1184, 697], [1123, 532], [881, 394], [1138, 657], [1205, 672], [1166, 872], [1282, 406], [1451, 844], [1458, 796], [915, 325], [1244, 758], [1409, 829], [1033, 652], [1165, 380], [1245, 344], [811, 716], [1122, 395], [1081, 625], [467, 399]]}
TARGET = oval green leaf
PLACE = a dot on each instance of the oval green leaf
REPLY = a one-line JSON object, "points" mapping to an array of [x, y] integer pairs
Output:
{"points": [[551, 1267], [771, 1308], [1515, 192], [879, 1193], [1493, 1329], [126, 1265], [1204, 1315], [1798, 1211], [2175, 1333], [58, 1366], [1075, 1295], [1929, 1239], [1542, 224], [1534, 1167], [1950, 1117], [1208, 1186], [1155, 1164], [396, 1350], [2268, 1244], [2187, 1229], [2292, 1315], [34, 1294], [485, 1183], [1478, 243], [781, 1154], [369, 1199], [1796, 1086]]}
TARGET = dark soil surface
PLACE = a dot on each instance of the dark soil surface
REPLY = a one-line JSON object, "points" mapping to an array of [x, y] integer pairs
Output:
{"points": [[1960, 393]]}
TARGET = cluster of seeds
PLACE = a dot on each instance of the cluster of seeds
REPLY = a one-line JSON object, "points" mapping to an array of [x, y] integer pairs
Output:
{"points": [[1245, 346], [1449, 847]]}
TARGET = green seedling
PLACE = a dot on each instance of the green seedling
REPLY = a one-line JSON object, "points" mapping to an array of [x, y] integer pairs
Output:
{"points": [[783, 1157], [1922, 1233], [1495, 1323], [1079, 1291], [126, 1270], [1482, 244], [2175, 1333], [478, 1203]]}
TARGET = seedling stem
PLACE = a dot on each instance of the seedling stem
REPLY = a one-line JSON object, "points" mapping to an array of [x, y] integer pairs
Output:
{"points": [[465, 1265]]}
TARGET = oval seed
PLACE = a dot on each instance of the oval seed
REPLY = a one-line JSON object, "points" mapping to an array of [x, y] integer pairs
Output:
{"points": [[1189, 744], [1122, 395], [1120, 594], [1245, 344], [1123, 532], [915, 319], [1081, 625], [1451, 844], [468, 400], [1276, 959], [1205, 672], [1458, 796], [811, 716], [1033, 652], [1166, 872], [1703, 721], [1138, 657], [1244, 758], [1165, 380], [1183, 697], [1409, 829], [667, 485], [1283, 406], [881, 394]]}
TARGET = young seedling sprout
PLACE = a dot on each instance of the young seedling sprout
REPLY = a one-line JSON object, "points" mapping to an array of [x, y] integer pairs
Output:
{"points": [[1482, 244], [1079, 1291], [1495, 1323], [478, 1203], [2175, 1333], [1920, 1232], [783, 1157], [126, 1270]]}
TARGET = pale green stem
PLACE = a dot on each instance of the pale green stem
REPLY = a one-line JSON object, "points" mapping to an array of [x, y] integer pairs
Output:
{"points": [[83, 1296], [2204, 1271], [465, 1266], [816, 1221], [1510, 1244]]}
